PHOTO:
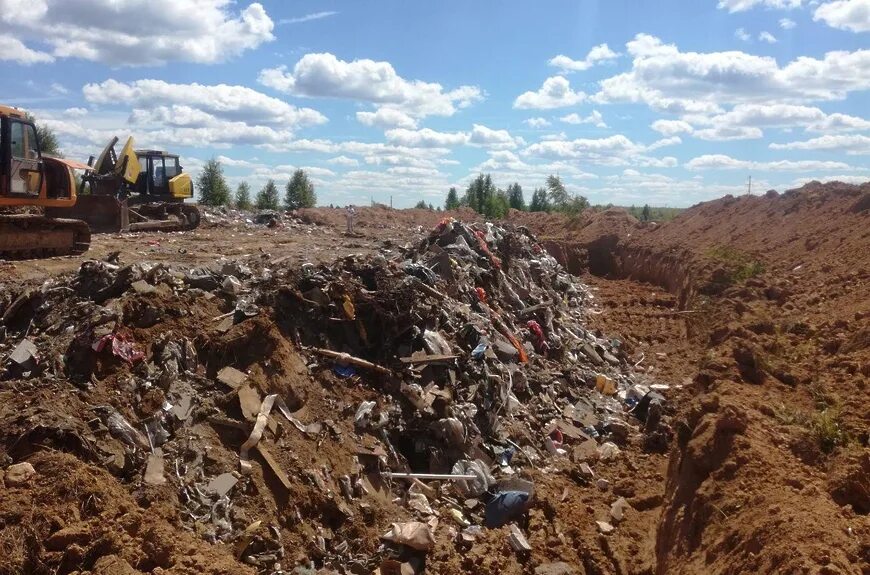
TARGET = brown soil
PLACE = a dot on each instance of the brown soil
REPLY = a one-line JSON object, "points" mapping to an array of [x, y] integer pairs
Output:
{"points": [[754, 310]]}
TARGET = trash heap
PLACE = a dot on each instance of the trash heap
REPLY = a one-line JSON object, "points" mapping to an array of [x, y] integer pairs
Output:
{"points": [[475, 341], [469, 349]]}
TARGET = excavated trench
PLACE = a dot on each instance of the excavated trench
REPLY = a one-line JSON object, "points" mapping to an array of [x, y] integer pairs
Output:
{"points": [[609, 258]]}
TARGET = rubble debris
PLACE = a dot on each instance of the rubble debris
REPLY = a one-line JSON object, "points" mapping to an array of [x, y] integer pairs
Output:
{"points": [[605, 527], [460, 365], [617, 510], [19, 474], [518, 541], [222, 484], [25, 355], [505, 507], [121, 347], [414, 534], [231, 377], [154, 469]]}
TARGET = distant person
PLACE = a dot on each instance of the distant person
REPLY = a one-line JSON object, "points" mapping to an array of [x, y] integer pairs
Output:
{"points": [[350, 214]]}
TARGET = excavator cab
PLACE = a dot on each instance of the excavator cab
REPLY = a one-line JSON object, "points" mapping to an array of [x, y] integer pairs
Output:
{"points": [[29, 179], [22, 166]]}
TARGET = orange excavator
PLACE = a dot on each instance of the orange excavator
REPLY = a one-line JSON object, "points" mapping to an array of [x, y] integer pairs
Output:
{"points": [[30, 180]]}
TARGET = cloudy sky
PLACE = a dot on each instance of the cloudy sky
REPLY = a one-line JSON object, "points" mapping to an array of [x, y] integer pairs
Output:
{"points": [[630, 101]]}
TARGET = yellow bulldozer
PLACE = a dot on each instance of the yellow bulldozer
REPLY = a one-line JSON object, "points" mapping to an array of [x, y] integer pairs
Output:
{"points": [[30, 180], [134, 190]]}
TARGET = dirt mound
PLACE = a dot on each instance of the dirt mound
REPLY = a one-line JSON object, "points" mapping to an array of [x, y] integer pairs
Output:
{"points": [[768, 324]]}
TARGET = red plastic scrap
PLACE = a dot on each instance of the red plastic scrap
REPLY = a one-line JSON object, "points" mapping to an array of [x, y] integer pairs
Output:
{"points": [[121, 347], [540, 342], [481, 240], [481, 294]]}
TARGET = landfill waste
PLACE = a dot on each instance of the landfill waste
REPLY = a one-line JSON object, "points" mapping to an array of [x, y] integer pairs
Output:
{"points": [[437, 379]]}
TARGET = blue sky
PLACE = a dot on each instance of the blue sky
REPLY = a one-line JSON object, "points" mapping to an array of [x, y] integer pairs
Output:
{"points": [[630, 102]]}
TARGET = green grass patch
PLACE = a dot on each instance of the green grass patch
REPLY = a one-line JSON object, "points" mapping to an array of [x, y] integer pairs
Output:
{"points": [[739, 266]]}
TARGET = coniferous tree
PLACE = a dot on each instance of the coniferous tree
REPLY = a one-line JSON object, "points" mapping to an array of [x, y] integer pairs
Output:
{"points": [[267, 198], [243, 196], [212, 187], [515, 197], [299, 192], [452, 202], [540, 201]]}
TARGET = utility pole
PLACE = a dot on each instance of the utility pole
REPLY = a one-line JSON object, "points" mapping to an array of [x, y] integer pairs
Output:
{"points": [[749, 187]]}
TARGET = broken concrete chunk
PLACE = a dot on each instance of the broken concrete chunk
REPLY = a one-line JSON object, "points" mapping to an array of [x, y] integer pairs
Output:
{"points": [[222, 484], [518, 541], [231, 377], [231, 285], [617, 509], [19, 474], [605, 527], [182, 408], [154, 470], [142, 287], [25, 353], [608, 451], [590, 352], [586, 451]]}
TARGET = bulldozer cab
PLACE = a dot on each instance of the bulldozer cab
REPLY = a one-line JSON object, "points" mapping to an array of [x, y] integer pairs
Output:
{"points": [[162, 177], [157, 170]]}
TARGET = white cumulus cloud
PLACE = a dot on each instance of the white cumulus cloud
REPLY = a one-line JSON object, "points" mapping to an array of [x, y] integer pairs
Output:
{"points": [[767, 37], [668, 79], [134, 32], [234, 103], [556, 92], [595, 118], [742, 35], [723, 162], [13, 50], [386, 118], [671, 127], [537, 122], [600, 53], [744, 5], [853, 145], [852, 15], [325, 76]]}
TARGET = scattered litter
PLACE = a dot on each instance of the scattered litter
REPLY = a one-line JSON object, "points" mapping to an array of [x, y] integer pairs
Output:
{"points": [[120, 346], [414, 534]]}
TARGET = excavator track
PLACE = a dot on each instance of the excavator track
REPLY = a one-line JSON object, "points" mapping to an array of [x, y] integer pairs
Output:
{"points": [[26, 236]]}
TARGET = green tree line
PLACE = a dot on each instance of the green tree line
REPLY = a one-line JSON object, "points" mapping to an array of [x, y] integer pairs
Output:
{"points": [[485, 198], [214, 191]]}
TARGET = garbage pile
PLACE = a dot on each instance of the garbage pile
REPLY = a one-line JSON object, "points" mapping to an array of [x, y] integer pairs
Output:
{"points": [[469, 349], [225, 216]]}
